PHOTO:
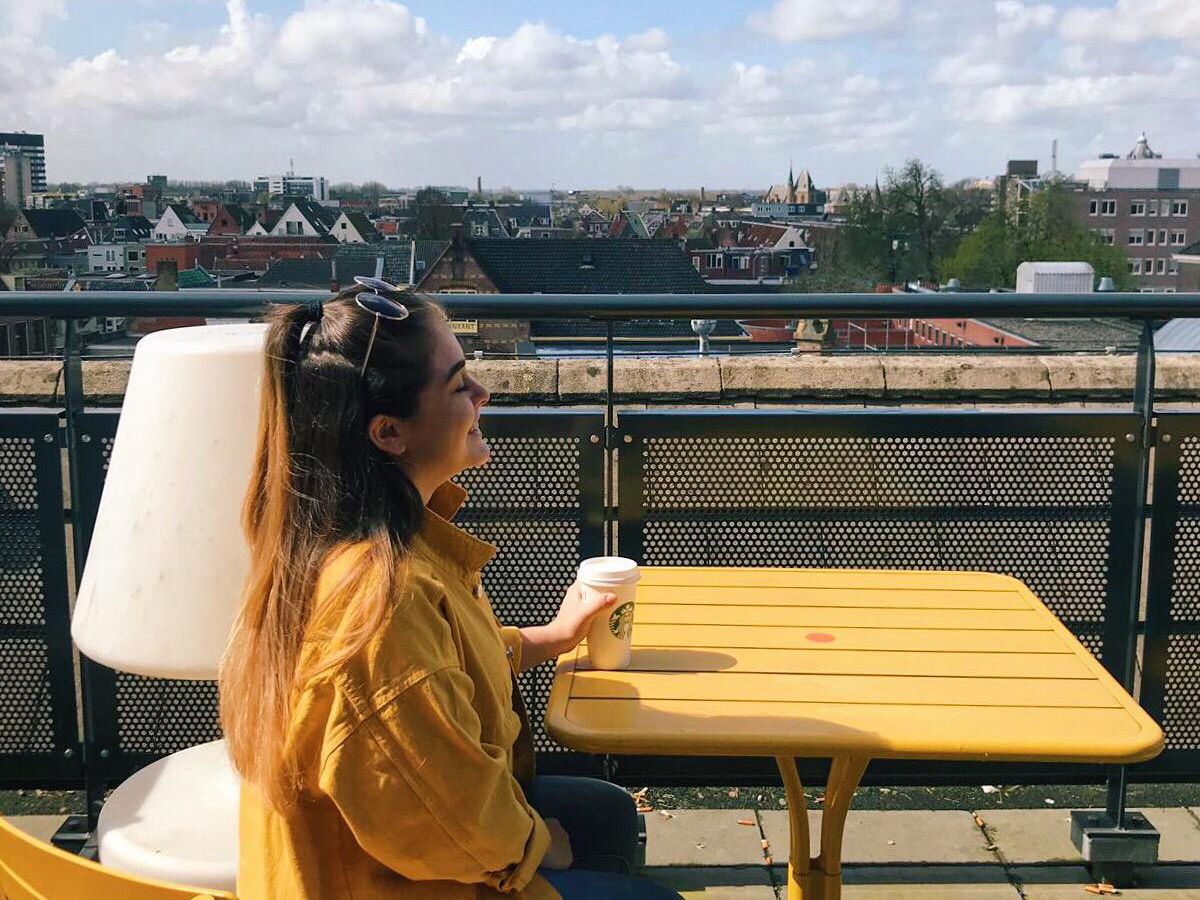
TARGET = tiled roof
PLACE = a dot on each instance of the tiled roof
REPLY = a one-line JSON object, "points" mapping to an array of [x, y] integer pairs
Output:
{"points": [[321, 217], [135, 226], [1073, 334], [640, 328], [397, 257], [186, 216], [194, 278], [50, 223], [362, 224], [576, 266], [241, 215], [314, 273]]}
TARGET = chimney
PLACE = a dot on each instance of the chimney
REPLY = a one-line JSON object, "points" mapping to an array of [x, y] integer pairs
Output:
{"points": [[334, 287], [479, 185], [166, 275]]}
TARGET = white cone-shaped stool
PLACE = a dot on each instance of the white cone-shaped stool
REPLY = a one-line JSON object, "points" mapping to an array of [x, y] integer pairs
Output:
{"points": [[163, 581]]}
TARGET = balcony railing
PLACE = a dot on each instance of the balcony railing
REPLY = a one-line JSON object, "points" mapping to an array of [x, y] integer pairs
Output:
{"points": [[1058, 499]]}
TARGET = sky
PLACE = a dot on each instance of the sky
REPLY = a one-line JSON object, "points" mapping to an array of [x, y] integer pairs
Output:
{"points": [[574, 95]]}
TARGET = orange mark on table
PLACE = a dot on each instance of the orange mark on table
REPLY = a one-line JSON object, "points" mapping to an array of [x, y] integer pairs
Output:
{"points": [[819, 637]]}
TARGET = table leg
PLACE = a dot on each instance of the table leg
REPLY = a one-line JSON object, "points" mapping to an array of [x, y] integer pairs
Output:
{"points": [[820, 877]]}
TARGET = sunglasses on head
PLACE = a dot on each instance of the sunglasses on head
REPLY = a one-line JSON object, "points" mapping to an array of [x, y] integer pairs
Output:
{"points": [[379, 306]]}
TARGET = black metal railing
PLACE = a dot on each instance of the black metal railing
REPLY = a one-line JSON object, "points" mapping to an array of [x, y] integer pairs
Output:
{"points": [[1057, 499]]}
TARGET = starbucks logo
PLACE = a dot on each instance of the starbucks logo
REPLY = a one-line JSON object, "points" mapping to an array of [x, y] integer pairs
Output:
{"points": [[620, 623]]}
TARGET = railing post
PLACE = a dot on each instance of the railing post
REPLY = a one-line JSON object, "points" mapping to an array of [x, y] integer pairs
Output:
{"points": [[74, 406], [1114, 841]]}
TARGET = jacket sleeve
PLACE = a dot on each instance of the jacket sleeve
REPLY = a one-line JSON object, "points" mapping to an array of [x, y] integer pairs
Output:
{"points": [[424, 795], [514, 644]]}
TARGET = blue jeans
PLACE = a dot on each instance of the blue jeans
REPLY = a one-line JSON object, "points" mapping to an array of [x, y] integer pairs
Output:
{"points": [[601, 820]]}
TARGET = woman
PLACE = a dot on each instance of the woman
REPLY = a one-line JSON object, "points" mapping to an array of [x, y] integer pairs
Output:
{"points": [[368, 693]]}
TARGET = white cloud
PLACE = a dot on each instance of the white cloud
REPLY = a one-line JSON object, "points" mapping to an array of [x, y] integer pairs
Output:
{"points": [[1015, 18], [805, 20], [1133, 21]]}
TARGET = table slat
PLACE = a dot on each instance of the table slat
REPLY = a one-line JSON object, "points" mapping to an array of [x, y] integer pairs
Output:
{"points": [[737, 636], [833, 617]]}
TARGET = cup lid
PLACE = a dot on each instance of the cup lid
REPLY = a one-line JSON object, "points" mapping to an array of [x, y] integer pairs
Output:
{"points": [[608, 570]]}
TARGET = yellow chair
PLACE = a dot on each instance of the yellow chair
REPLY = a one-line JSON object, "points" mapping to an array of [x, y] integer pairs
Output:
{"points": [[34, 870]]}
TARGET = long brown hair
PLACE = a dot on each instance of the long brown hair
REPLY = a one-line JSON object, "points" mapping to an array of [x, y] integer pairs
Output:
{"points": [[319, 486]]}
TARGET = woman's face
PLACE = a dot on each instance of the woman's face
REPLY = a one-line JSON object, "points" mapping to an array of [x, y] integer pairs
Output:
{"points": [[443, 438]]}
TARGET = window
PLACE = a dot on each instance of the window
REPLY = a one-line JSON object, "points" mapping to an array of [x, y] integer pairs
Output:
{"points": [[1137, 207], [1150, 237], [479, 229], [295, 228], [1161, 268], [1137, 237], [1178, 238], [713, 261], [1173, 269], [343, 224], [741, 262], [1164, 207], [1135, 267], [1106, 236], [1179, 207], [1108, 207], [1162, 236], [1093, 207], [1152, 208], [696, 263]]}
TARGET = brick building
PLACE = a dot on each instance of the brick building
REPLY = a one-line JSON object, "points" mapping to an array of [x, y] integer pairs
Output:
{"points": [[1149, 207]]}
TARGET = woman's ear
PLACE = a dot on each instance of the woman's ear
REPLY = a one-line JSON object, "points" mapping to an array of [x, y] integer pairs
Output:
{"points": [[389, 434]]}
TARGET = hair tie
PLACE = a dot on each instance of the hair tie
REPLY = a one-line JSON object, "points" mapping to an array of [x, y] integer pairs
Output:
{"points": [[316, 310]]}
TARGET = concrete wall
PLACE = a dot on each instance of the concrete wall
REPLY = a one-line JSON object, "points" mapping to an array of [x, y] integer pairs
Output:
{"points": [[767, 380]]}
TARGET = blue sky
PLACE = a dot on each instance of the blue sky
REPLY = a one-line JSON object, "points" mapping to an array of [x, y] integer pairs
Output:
{"points": [[661, 94]]}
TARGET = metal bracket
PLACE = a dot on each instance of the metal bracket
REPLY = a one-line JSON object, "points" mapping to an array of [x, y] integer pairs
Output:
{"points": [[1112, 851]]}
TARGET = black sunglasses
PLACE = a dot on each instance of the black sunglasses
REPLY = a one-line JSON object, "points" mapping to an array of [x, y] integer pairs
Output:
{"points": [[379, 306]]}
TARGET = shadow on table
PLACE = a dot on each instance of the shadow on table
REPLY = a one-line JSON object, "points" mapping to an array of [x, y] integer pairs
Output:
{"points": [[669, 659]]}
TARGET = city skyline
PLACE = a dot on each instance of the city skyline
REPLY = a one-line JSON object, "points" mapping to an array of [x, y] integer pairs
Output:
{"points": [[663, 95]]}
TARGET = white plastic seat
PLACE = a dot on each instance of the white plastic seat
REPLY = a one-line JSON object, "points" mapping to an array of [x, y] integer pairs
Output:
{"points": [[176, 820]]}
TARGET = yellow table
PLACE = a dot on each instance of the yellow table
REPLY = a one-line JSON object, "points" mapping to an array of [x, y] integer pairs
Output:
{"points": [[849, 665]]}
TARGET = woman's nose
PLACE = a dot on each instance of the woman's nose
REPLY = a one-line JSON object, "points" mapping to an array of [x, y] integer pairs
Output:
{"points": [[483, 397]]}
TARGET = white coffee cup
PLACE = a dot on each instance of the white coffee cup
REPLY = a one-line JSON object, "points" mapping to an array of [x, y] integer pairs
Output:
{"points": [[610, 637]]}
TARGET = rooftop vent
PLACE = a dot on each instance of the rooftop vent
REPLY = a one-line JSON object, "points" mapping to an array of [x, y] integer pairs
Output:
{"points": [[587, 262]]}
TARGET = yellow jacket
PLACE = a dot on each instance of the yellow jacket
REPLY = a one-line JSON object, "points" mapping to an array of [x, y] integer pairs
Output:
{"points": [[409, 751]]}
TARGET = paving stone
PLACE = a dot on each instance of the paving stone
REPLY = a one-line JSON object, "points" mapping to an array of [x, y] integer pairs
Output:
{"points": [[1044, 835], [702, 837], [1180, 834], [40, 827], [946, 836], [715, 883], [923, 883], [1153, 883], [1032, 835]]}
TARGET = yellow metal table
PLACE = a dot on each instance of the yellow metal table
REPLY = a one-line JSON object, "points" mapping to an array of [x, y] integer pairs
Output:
{"points": [[848, 665]]}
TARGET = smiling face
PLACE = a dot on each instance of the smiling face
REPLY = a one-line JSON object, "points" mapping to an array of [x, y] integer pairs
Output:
{"points": [[443, 437]]}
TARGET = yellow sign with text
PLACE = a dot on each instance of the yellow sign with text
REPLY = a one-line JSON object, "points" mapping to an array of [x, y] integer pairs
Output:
{"points": [[465, 326]]}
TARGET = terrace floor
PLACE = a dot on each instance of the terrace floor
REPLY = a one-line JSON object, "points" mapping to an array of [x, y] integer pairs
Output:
{"points": [[711, 854]]}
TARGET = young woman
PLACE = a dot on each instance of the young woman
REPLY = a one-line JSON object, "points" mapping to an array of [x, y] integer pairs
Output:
{"points": [[368, 693]]}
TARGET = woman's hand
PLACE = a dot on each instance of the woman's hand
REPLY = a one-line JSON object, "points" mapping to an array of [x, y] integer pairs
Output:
{"points": [[565, 630], [558, 856], [575, 615]]}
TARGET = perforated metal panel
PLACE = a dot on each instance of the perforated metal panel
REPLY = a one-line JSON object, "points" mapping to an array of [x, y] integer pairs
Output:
{"points": [[1171, 677], [539, 502], [1032, 496], [38, 731]]}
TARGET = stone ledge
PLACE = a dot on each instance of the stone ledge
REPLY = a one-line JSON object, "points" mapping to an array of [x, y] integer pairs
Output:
{"points": [[940, 377], [802, 376], [807, 379]]}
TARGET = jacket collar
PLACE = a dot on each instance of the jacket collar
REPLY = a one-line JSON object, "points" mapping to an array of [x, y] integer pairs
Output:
{"points": [[446, 542]]}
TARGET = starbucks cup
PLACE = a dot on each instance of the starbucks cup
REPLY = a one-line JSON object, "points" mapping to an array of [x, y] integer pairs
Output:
{"points": [[610, 637]]}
